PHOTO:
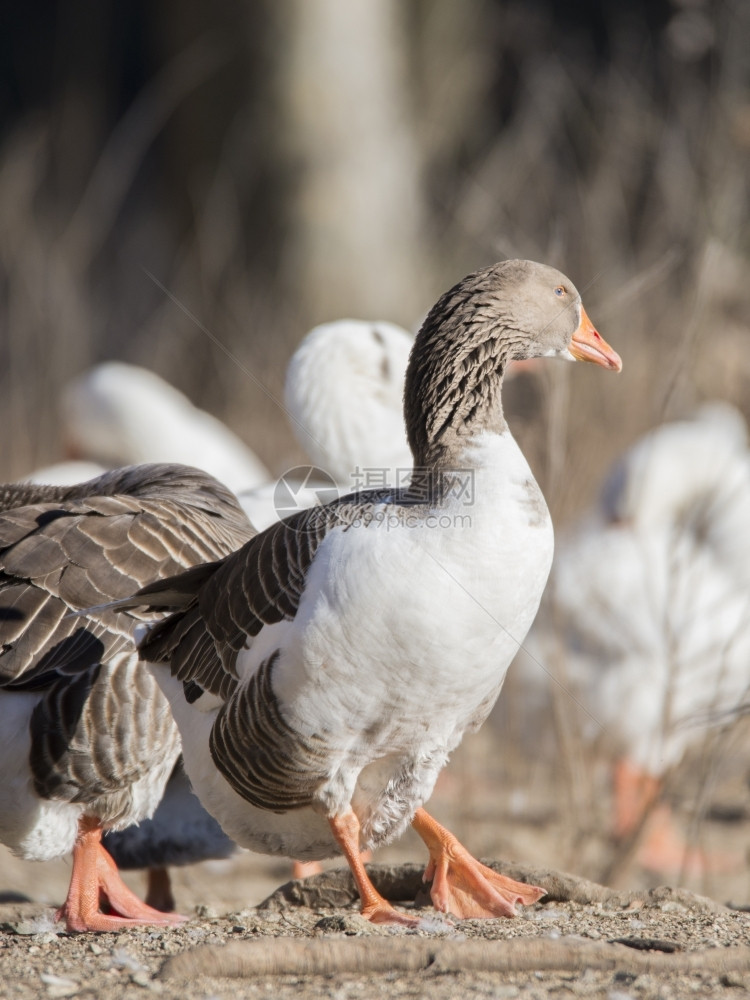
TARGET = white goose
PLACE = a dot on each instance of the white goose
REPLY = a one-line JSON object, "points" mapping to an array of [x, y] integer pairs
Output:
{"points": [[321, 676], [344, 391], [118, 414], [695, 472], [86, 738], [343, 394], [657, 630]]}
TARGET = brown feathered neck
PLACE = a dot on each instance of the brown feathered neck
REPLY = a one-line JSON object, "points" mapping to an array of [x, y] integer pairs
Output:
{"points": [[455, 373]]}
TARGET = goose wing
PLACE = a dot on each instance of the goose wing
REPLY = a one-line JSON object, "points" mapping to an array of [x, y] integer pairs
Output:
{"points": [[220, 608], [64, 549]]}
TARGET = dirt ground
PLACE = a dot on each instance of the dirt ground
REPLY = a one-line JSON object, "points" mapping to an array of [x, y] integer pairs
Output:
{"points": [[503, 802]]}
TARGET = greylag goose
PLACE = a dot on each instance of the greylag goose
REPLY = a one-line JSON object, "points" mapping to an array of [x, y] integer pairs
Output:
{"points": [[86, 737], [321, 675], [119, 414], [656, 633]]}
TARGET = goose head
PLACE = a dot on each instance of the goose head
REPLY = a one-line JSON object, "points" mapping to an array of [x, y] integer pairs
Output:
{"points": [[512, 311]]}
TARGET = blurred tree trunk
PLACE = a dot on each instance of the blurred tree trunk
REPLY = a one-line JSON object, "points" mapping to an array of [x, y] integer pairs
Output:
{"points": [[354, 223]]}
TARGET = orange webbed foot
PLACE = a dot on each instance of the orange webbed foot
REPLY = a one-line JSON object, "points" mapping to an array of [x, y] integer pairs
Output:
{"points": [[381, 912], [463, 886], [94, 879]]}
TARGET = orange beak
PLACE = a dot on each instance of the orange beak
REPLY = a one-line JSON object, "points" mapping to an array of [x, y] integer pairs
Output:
{"points": [[588, 345]]}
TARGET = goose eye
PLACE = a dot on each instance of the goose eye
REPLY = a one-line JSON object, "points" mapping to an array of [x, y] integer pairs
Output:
{"points": [[560, 291]]}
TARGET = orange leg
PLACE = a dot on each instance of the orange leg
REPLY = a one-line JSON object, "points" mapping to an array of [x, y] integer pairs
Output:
{"points": [[663, 848], [304, 869], [159, 890], [635, 792], [95, 877], [463, 886], [345, 829]]}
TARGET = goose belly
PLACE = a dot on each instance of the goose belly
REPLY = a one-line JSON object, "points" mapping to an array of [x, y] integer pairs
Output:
{"points": [[405, 641]]}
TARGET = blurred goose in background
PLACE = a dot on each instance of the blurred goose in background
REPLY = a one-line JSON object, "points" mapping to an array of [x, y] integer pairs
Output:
{"points": [[118, 414], [343, 394], [322, 675], [66, 473], [344, 391], [695, 473], [86, 738], [656, 619]]}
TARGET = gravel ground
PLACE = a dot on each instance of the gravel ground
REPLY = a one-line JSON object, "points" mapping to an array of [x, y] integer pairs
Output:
{"points": [[594, 943], [561, 947]]}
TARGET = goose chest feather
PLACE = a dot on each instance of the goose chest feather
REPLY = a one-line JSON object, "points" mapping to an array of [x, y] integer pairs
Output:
{"points": [[321, 675]]}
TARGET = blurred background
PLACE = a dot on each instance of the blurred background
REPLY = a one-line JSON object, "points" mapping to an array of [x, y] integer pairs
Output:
{"points": [[190, 187], [179, 176]]}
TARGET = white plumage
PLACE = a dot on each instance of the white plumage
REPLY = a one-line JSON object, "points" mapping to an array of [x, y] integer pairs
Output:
{"points": [[651, 591], [119, 414], [344, 392]]}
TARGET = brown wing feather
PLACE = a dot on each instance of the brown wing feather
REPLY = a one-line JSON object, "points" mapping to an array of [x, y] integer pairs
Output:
{"points": [[101, 722], [219, 613], [81, 546]]}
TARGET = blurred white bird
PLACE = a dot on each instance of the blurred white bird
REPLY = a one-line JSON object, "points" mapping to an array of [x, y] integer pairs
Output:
{"points": [[654, 609], [344, 398], [118, 414], [344, 392]]}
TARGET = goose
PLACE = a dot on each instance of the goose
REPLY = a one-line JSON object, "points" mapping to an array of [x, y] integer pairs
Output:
{"points": [[86, 737], [119, 414], [343, 394], [657, 633], [343, 391], [322, 674], [180, 832]]}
